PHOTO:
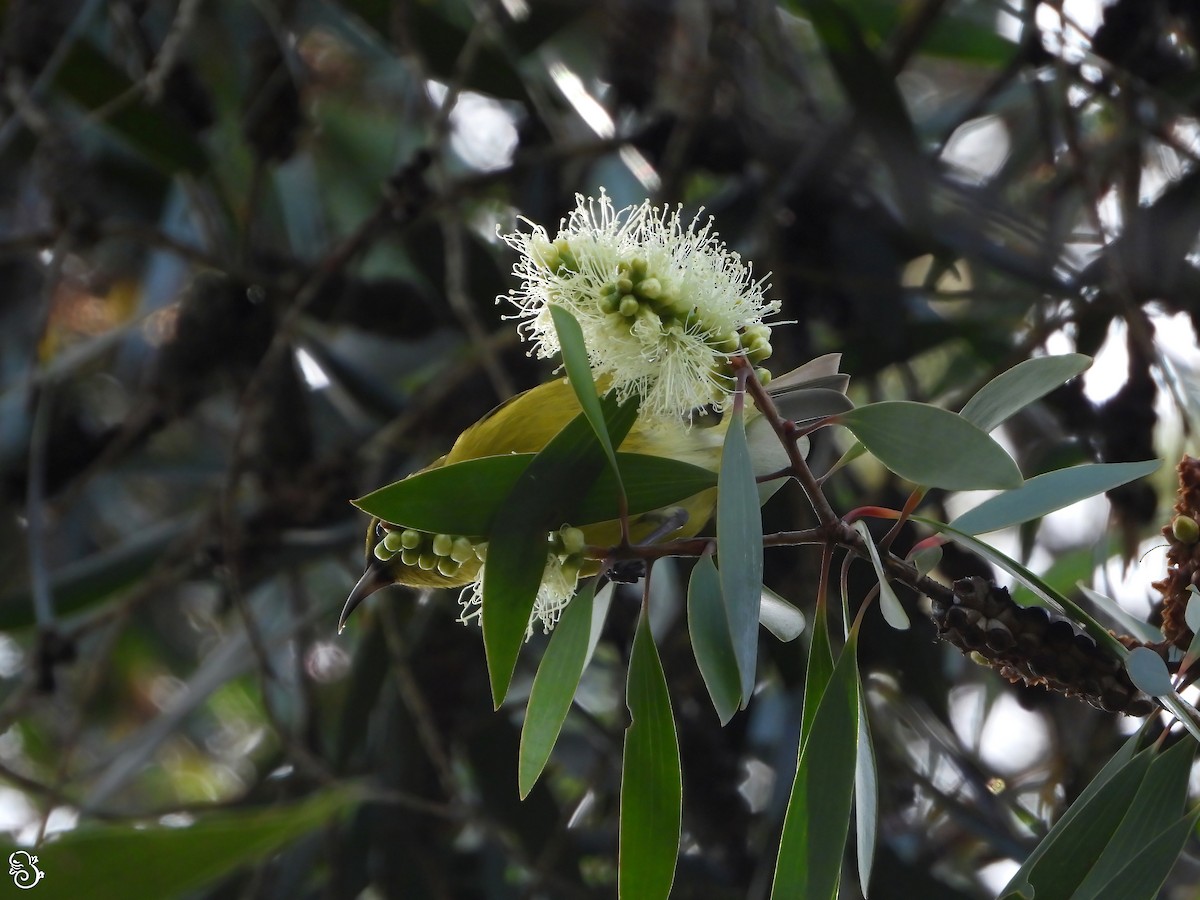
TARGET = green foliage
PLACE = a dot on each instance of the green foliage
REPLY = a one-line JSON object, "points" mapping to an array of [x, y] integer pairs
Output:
{"points": [[651, 786], [712, 643]]}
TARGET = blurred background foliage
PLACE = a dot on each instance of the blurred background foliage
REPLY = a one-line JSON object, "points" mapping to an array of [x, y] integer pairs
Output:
{"points": [[249, 264]]}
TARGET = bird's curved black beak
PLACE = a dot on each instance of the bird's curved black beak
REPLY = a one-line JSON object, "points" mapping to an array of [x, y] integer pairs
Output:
{"points": [[375, 577]]}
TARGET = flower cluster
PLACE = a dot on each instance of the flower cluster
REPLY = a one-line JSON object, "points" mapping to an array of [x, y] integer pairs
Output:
{"points": [[559, 580], [663, 304]]}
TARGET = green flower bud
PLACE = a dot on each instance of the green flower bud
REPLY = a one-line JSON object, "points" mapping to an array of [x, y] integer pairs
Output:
{"points": [[382, 552], [427, 562], [462, 550], [1185, 529], [543, 253], [727, 343], [481, 551], [639, 265], [573, 540], [625, 285], [651, 288], [442, 544], [409, 539], [759, 350], [410, 557], [629, 306], [763, 376], [447, 567], [392, 540]]}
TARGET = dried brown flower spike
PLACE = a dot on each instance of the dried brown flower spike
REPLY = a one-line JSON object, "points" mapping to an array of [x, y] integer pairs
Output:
{"points": [[1183, 555], [1031, 645]]}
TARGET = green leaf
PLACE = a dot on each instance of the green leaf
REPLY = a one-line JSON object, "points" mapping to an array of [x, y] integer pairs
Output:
{"points": [[926, 559], [931, 446], [93, 81], [651, 782], [1107, 607], [110, 862], [539, 502], [575, 359], [1148, 672], [711, 643], [889, 603], [1064, 857], [1162, 796], [779, 617], [739, 542], [817, 821], [1143, 876], [1019, 386], [554, 687], [866, 796], [805, 404], [463, 498], [1044, 494], [818, 671]]}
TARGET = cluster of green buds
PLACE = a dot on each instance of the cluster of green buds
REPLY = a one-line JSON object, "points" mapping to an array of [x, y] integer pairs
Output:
{"points": [[445, 553]]}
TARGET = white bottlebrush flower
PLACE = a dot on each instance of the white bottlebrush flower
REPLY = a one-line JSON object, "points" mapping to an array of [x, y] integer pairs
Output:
{"points": [[559, 580], [662, 302]]}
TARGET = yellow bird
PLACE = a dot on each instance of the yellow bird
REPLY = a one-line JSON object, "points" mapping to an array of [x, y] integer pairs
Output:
{"points": [[527, 422]]}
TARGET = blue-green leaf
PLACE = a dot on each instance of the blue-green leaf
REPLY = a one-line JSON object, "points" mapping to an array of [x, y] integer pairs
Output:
{"points": [[931, 446], [1064, 857], [651, 783], [1045, 493], [817, 821], [779, 617], [1016, 388], [554, 687], [1143, 876], [575, 359], [739, 543], [818, 671], [866, 796], [1160, 797], [709, 629], [1148, 672], [889, 603]]}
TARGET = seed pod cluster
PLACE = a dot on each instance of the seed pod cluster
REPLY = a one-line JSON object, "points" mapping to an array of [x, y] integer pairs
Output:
{"points": [[1030, 645], [1183, 554]]}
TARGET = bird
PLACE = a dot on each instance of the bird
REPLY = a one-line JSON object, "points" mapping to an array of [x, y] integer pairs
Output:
{"points": [[528, 421]]}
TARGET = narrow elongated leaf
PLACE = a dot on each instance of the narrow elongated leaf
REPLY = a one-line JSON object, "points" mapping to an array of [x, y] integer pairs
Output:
{"points": [[818, 671], [805, 404], [889, 603], [599, 615], [1019, 386], [739, 542], [554, 687], [1143, 876], [779, 617], [539, 502], [1043, 494], [711, 643], [866, 796], [1065, 855], [817, 821], [463, 498], [1160, 798], [95, 861], [1122, 619], [1148, 672], [931, 446], [651, 783], [1115, 764], [575, 359]]}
